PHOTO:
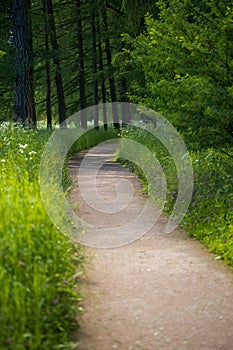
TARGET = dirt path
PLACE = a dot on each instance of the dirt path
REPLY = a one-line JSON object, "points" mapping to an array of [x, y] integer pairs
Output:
{"points": [[163, 291]]}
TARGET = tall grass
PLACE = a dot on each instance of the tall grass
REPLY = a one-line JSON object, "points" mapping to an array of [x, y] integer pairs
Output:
{"points": [[38, 302], [38, 299], [210, 214]]}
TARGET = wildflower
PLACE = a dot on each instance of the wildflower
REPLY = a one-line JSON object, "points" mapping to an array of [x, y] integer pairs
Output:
{"points": [[23, 146], [32, 152], [57, 275], [65, 282], [55, 301], [3, 160]]}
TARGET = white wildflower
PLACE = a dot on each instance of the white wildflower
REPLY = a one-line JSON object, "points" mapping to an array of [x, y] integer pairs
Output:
{"points": [[23, 146]]}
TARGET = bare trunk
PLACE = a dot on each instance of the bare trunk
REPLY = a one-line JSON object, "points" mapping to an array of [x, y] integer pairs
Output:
{"points": [[47, 68], [125, 106], [22, 87], [56, 61], [82, 87], [109, 62], [94, 64], [103, 86], [31, 101]]}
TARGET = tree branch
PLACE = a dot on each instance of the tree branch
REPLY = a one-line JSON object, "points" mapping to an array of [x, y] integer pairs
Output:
{"points": [[113, 8]]}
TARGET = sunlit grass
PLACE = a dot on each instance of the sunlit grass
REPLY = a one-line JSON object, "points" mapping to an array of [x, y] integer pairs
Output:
{"points": [[210, 214], [38, 299], [38, 302]]}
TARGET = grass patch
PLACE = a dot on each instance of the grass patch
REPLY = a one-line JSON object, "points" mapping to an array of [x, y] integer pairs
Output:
{"points": [[209, 217], [38, 302], [38, 299]]}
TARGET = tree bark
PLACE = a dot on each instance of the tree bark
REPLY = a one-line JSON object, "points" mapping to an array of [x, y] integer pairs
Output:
{"points": [[103, 86], [94, 63], [47, 68], [24, 106], [109, 63], [56, 61], [82, 87], [125, 105], [31, 102]]}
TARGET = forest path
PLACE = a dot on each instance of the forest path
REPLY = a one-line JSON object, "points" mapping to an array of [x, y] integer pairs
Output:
{"points": [[163, 291]]}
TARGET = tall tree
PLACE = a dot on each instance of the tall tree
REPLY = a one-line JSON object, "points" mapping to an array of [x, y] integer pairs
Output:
{"points": [[22, 40], [94, 62], [31, 102], [82, 87], [56, 61], [186, 57], [6, 61], [47, 69], [101, 67], [110, 66]]}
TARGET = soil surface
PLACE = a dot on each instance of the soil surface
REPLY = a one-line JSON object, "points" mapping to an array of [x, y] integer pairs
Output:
{"points": [[162, 291]]}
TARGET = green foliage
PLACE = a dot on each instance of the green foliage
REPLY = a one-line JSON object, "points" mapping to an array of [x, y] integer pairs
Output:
{"points": [[210, 214], [93, 137], [66, 15], [168, 165], [6, 62], [38, 302], [2, 53], [135, 14], [186, 58]]}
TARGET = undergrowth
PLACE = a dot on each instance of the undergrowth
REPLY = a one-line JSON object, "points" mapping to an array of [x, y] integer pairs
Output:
{"points": [[210, 213], [93, 137], [38, 301]]}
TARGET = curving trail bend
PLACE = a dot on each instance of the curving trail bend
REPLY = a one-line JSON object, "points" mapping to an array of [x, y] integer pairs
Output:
{"points": [[163, 291]]}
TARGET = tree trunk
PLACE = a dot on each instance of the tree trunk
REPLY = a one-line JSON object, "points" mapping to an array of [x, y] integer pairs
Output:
{"points": [[94, 63], [82, 88], [56, 61], [109, 62], [125, 105], [23, 73], [31, 102], [47, 68], [103, 86]]}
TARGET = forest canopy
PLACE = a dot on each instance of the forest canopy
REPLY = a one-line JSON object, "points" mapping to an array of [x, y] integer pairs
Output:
{"points": [[59, 57]]}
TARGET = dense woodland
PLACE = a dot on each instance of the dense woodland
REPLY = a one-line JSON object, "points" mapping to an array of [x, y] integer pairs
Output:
{"points": [[58, 57], [173, 56]]}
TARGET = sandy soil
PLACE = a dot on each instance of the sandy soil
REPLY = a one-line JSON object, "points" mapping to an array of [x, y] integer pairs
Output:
{"points": [[163, 291]]}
